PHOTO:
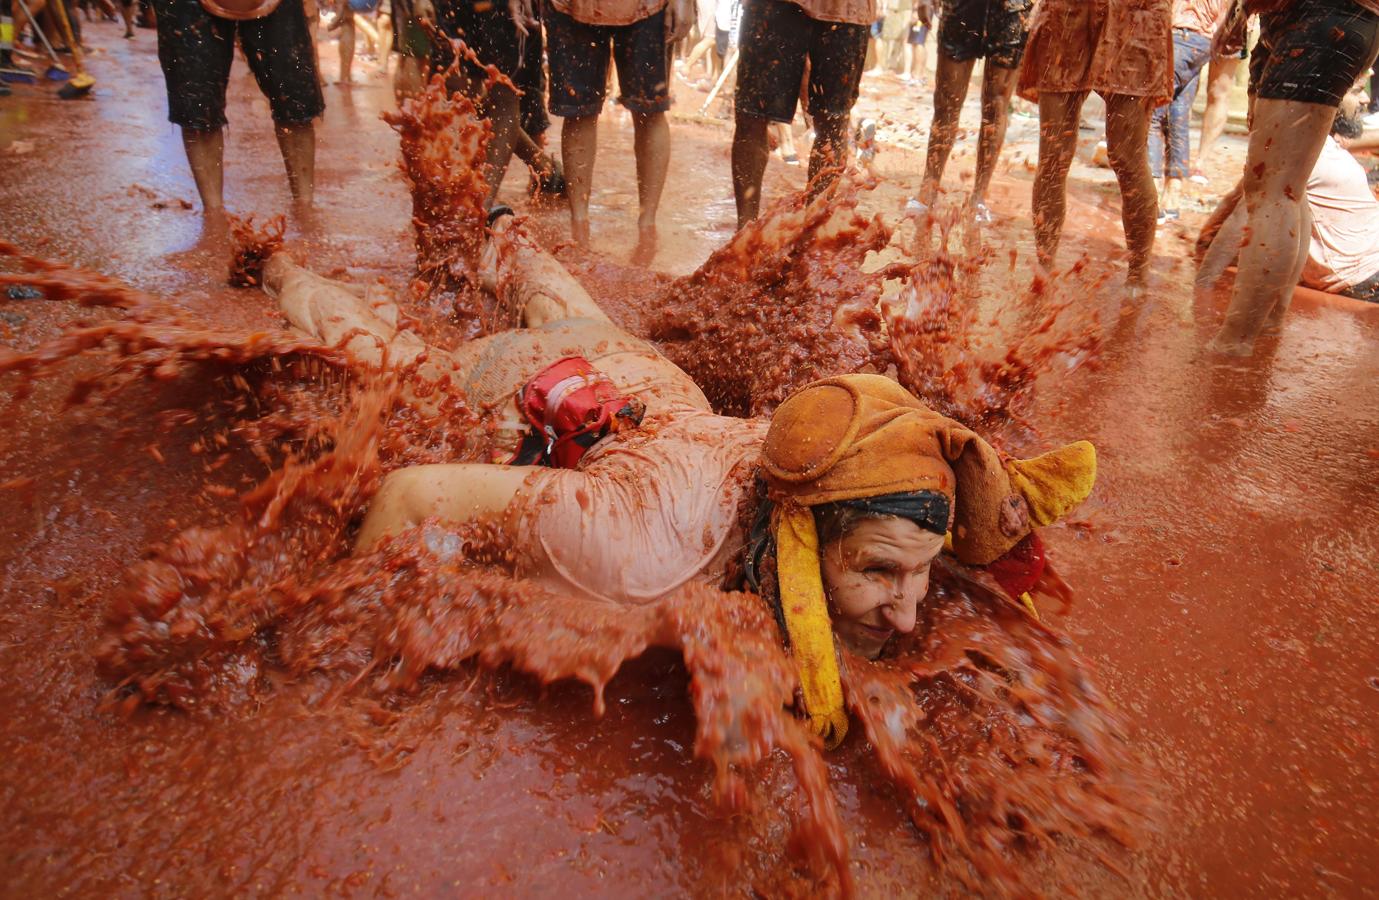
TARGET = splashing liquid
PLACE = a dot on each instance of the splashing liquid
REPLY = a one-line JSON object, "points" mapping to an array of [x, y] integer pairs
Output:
{"points": [[983, 722]]}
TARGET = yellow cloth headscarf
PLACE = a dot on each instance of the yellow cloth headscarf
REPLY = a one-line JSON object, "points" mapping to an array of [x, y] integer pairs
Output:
{"points": [[857, 436]]}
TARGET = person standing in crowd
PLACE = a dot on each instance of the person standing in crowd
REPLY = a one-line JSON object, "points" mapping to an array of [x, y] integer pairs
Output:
{"points": [[196, 46], [345, 11], [1194, 24], [920, 25], [547, 178], [994, 30], [1310, 53], [497, 38], [1122, 49], [640, 34], [888, 34], [1228, 51], [1342, 255], [411, 44], [778, 39]]}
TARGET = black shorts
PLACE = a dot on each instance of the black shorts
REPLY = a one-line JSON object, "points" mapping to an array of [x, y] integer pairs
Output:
{"points": [[995, 30], [196, 49], [1313, 52], [409, 38], [776, 39], [531, 80], [578, 55], [486, 27], [1367, 290]]}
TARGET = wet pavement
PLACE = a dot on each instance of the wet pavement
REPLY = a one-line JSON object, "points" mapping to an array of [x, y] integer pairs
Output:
{"points": [[1225, 568]]}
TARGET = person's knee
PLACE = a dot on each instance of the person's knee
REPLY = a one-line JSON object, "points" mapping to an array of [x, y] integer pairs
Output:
{"points": [[831, 127], [649, 121], [1127, 161], [391, 509], [748, 126]]}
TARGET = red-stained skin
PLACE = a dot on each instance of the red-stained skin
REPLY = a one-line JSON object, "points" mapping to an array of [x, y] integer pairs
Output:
{"points": [[333, 736], [875, 576]]}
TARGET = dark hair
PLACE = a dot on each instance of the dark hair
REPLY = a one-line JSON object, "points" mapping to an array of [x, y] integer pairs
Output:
{"points": [[833, 521], [927, 509]]}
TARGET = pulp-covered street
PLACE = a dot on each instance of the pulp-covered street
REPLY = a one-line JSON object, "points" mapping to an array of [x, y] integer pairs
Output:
{"points": [[1223, 570]]}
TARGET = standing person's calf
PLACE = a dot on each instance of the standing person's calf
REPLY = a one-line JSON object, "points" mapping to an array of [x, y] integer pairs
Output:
{"points": [[196, 45], [1308, 57], [779, 41], [639, 34]]}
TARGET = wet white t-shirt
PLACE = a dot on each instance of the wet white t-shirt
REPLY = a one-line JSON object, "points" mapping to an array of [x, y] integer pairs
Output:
{"points": [[1345, 222]]}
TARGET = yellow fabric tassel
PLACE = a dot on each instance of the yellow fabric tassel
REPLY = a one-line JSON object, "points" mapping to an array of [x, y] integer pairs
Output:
{"points": [[806, 619], [1055, 482], [1028, 602]]}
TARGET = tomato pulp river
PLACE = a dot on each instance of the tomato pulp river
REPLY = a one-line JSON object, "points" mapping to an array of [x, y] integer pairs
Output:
{"points": [[1224, 572]]}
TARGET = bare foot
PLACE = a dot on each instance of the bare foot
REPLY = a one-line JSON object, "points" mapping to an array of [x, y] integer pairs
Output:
{"points": [[1274, 323], [647, 245], [579, 232], [1227, 346], [1135, 281]]}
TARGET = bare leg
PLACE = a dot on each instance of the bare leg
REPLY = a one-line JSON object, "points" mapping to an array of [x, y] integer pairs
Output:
{"points": [[1275, 319], [950, 90], [298, 146], [456, 492], [705, 44], [127, 13], [384, 48], [1285, 142], [1221, 235], [499, 105], [829, 153], [578, 145], [1172, 195], [206, 157], [533, 155], [346, 46], [651, 144], [786, 137], [750, 153], [1127, 136], [1058, 117], [407, 80], [1220, 78], [998, 84]]}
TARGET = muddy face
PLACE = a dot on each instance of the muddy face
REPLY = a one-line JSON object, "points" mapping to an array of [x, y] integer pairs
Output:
{"points": [[875, 577]]}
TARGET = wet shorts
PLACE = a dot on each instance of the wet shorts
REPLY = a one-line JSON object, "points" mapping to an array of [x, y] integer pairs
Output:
{"points": [[995, 30], [777, 38], [409, 38], [578, 55], [1314, 51], [196, 49], [531, 80], [1367, 290], [487, 28]]}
